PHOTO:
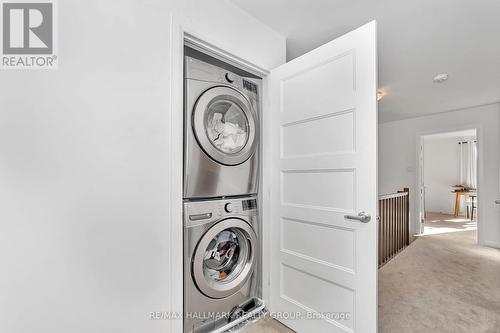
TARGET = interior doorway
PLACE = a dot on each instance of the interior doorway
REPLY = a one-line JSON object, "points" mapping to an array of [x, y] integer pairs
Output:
{"points": [[449, 182]]}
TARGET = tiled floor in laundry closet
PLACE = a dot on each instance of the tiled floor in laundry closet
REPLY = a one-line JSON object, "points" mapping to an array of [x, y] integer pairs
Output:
{"points": [[264, 325]]}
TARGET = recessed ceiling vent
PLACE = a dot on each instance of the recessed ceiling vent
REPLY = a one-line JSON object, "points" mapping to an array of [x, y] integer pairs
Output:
{"points": [[440, 78]]}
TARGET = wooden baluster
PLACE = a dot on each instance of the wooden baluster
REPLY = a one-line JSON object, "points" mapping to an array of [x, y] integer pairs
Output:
{"points": [[396, 217], [397, 225], [400, 224], [396, 214], [387, 231], [389, 225], [388, 221], [393, 229]]}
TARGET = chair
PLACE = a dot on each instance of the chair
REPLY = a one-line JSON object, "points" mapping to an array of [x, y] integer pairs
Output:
{"points": [[471, 205]]}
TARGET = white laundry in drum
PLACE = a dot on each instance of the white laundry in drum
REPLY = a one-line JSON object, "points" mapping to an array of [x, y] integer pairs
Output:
{"points": [[226, 136]]}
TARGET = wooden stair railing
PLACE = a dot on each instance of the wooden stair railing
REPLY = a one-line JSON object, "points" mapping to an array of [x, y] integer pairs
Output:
{"points": [[393, 225]]}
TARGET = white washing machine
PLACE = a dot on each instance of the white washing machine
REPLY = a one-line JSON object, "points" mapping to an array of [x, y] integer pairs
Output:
{"points": [[221, 265], [221, 132]]}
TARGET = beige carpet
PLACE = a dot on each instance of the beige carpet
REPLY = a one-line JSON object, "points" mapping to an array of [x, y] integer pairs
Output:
{"points": [[442, 282]]}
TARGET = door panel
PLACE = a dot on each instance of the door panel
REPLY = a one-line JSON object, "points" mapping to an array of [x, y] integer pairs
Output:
{"points": [[319, 188], [324, 166], [327, 135], [339, 239], [335, 73], [318, 298]]}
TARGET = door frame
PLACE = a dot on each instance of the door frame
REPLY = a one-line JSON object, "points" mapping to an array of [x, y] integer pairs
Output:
{"points": [[417, 226], [180, 36]]}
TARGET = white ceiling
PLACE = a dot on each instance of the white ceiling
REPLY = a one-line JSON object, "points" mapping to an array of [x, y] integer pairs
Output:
{"points": [[416, 41]]}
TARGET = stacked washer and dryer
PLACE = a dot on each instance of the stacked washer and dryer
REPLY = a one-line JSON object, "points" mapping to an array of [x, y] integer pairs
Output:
{"points": [[221, 220]]}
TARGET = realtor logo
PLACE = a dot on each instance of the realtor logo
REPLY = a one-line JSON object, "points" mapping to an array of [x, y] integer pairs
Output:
{"points": [[28, 32]]}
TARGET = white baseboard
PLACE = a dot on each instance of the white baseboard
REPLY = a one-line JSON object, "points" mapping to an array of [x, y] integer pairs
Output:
{"points": [[491, 244], [445, 213]]}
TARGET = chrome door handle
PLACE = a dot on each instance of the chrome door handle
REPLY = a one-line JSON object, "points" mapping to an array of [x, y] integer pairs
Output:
{"points": [[497, 202], [362, 217]]}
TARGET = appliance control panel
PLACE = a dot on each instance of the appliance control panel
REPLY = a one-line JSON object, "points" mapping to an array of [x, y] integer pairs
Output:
{"points": [[250, 86], [249, 204], [199, 70], [204, 211]]}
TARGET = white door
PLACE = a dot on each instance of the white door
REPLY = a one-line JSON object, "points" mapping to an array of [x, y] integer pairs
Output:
{"points": [[323, 138]]}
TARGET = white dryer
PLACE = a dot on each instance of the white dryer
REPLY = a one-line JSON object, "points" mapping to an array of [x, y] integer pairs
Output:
{"points": [[221, 132]]}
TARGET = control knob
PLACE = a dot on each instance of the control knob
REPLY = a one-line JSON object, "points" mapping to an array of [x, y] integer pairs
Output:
{"points": [[228, 207], [230, 77]]}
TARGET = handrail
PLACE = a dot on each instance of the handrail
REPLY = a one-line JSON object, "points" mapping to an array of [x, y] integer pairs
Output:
{"points": [[393, 195]]}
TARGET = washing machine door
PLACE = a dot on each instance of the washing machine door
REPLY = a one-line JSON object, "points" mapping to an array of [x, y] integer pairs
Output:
{"points": [[224, 258], [224, 124]]}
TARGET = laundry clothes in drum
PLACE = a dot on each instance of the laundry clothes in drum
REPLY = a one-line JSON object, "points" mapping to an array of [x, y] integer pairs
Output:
{"points": [[221, 257], [227, 131]]}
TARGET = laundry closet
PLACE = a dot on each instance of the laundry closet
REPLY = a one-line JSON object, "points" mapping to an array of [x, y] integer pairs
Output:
{"points": [[222, 247], [279, 186]]}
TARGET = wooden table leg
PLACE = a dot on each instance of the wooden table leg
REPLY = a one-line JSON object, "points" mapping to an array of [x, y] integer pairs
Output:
{"points": [[457, 203]]}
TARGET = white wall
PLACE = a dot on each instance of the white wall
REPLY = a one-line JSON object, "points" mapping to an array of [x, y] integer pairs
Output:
{"points": [[441, 172], [85, 228], [398, 156]]}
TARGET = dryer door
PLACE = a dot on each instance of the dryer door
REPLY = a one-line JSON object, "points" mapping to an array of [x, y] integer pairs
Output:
{"points": [[224, 124], [224, 258]]}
